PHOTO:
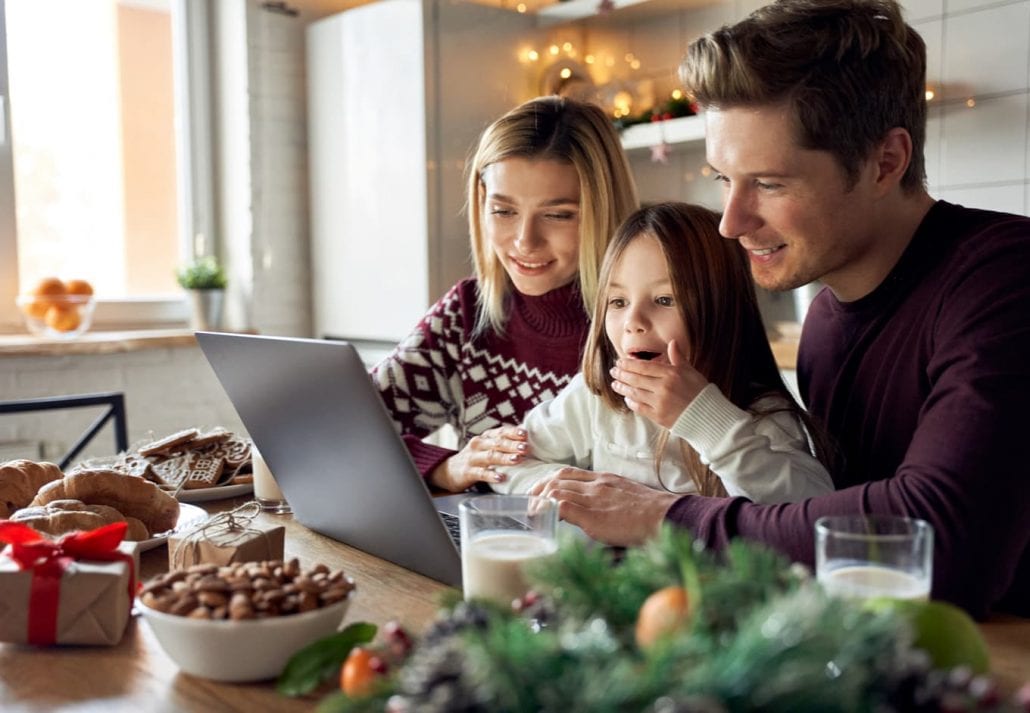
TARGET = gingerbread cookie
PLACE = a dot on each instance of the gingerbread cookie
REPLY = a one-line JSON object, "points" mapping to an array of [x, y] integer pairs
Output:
{"points": [[169, 444], [170, 472], [204, 472], [206, 440], [235, 450]]}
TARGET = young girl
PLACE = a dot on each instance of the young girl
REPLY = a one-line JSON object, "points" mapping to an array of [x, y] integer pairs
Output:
{"points": [[717, 418]]}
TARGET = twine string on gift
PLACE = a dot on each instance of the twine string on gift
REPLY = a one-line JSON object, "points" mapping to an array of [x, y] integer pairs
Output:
{"points": [[232, 527]]}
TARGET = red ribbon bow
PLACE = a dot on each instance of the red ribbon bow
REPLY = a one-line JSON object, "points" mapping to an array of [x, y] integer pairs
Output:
{"points": [[48, 559]]}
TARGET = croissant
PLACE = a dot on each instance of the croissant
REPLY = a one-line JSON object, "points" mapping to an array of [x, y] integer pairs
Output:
{"points": [[20, 480], [129, 494], [63, 516]]}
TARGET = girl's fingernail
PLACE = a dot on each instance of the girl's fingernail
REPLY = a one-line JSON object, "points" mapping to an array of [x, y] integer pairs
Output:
{"points": [[514, 457], [522, 432], [612, 371], [500, 478], [522, 447]]}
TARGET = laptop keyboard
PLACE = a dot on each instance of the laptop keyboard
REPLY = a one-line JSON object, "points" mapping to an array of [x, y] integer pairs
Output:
{"points": [[453, 527]]}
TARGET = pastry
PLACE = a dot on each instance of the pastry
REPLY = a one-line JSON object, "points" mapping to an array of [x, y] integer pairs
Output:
{"points": [[20, 480], [63, 516], [129, 494]]}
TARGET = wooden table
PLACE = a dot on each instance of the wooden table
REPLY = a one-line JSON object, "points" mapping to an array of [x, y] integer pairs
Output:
{"points": [[137, 676]]}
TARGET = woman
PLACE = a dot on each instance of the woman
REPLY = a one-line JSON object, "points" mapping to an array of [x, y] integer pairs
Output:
{"points": [[548, 185]]}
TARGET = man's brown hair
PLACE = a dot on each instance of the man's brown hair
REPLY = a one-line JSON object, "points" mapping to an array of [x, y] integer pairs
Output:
{"points": [[851, 69]]}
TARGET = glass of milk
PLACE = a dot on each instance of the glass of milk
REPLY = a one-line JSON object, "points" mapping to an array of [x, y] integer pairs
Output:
{"points": [[874, 556], [266, 490], [500, 534]]}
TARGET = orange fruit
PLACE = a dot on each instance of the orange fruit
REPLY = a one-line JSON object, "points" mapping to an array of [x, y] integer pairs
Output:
{"points": [[49, 286], [62, 318], [662, 613], [357, 674], [36, 309], [78, 287]]}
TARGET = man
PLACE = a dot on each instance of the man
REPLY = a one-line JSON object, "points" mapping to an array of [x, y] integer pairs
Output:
{"points": [[916, 359]]}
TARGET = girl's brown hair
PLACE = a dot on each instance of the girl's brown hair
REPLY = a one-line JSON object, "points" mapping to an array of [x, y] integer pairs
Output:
{"points": [[713, 289], [556, 129]]}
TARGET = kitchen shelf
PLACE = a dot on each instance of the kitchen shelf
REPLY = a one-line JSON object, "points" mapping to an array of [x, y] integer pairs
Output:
{"points": [[572, 10], [684, 130]]}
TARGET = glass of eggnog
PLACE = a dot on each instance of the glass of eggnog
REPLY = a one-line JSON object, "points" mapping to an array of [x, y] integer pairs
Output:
{"points": [[874, 556], [500, 534], [266, 490]]}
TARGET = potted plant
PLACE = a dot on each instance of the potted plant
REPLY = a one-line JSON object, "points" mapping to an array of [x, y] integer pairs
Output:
{"points": [[205, 280]]}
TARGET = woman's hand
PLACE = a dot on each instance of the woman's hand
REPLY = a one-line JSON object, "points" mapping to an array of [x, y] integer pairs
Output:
{"points": [[658, 391], [608, 507], [504, 445]]}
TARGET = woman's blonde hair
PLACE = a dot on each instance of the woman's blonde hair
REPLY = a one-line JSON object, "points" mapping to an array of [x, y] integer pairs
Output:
{"points": [[715, 295], [555, 129]]}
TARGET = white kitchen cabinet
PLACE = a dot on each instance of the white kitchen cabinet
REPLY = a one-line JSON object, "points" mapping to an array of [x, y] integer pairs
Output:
{"points": [[399, 91]]}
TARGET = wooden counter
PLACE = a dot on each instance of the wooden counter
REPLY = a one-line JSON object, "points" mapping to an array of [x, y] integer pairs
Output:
{"points": [[137, 676]]}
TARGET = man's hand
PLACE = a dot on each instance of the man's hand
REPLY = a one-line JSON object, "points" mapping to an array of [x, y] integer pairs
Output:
{"points": [[505, 445], [609, 508], [658, 391]]}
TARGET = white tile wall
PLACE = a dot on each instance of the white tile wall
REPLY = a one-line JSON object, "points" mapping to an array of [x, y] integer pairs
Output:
{"points": [[985, 144], [986, 51], [1008, 198], [165, 390], [280, 253]]}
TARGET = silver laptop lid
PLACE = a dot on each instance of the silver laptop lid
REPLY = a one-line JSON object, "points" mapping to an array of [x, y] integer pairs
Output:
{"points": [[311, 409]]}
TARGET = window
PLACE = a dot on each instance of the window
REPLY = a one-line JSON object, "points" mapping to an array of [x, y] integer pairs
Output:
{"points": [[94, 162]]}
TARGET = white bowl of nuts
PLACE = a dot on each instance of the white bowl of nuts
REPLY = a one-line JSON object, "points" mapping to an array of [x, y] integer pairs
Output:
{"points": [[242, 622]]}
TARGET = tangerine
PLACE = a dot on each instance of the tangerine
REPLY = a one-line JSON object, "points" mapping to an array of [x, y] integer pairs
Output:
{"points": [[358, 673], [49, 287], [36, 309], [62, 318], [662, 613], [78, 287]]}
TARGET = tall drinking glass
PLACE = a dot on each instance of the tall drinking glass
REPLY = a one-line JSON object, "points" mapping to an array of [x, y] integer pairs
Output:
{"points": [[500, 534], [874, 556], [266, 490]]}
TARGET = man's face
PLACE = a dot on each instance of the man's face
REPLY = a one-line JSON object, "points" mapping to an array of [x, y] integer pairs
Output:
{"points": [[791, 208]]}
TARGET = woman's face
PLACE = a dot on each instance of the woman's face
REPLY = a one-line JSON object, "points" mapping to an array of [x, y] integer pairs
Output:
{"points": [[531, 220]]}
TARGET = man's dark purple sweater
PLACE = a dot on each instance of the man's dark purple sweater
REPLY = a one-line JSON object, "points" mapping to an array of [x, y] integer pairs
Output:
{"points": [[924, 385]]}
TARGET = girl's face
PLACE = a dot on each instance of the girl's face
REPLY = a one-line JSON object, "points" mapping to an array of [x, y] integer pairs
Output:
{"points": [[642, 316], [531, 220]]}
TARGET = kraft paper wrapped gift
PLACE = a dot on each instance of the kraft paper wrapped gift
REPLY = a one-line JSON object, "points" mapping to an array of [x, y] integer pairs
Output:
{"points": [[76, 590], [226, 538]]}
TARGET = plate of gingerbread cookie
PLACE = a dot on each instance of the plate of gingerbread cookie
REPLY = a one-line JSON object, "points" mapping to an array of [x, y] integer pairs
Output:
{"points": [[191, 464], [189, 515], [219, 492]]}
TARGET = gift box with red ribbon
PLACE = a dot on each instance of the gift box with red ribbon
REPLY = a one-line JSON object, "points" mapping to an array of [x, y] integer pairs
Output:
{"points": [[78, 589]]}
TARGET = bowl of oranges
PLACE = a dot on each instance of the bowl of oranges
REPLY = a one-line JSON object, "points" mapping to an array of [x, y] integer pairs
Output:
{"points": [[58, 309]]}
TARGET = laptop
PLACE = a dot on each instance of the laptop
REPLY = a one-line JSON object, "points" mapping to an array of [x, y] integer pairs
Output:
{"points": [[313, 412]]}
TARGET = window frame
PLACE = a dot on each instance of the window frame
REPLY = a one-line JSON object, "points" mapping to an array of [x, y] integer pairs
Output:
{"points": [[193, 140]]}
